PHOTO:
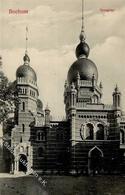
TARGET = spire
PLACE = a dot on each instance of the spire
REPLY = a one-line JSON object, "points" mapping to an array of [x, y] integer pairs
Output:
{"points": [[26, 57], [82, 50], [26, 51], [82, 34]]}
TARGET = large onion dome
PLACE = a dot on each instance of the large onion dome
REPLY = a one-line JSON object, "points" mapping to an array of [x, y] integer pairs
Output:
{"points": [[26, 71], [86, 69]]}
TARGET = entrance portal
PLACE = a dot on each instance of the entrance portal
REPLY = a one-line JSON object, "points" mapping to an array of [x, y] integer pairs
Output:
{"points": [[23, 163], [95, 160]]}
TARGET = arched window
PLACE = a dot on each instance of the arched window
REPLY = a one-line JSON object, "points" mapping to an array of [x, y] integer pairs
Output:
{"points": [[118, 100], [89, 132], [100, 132], [21, 139], [20, 90], [25, 91], [122, 139], [40, 136], [21, 149], [23, 106], [27, 151], [95, 99], [23, 128], [40, 152]]}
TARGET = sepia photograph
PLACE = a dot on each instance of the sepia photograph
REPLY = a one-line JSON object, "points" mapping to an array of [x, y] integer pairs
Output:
{"points": [[62, 97]]}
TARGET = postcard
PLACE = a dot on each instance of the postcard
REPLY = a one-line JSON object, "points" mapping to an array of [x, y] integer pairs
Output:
{"points": [[62, 97]]}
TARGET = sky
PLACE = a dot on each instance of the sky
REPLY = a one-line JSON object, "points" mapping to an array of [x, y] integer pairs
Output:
{"points": [[53, 34]]}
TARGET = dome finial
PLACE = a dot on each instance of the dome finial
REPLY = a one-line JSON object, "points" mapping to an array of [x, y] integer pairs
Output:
{"points": [[82, 34]]}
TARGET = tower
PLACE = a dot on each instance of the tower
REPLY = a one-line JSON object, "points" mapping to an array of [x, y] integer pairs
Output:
{"points": [[25, 114], [117, 111], [117, 98], [82, 98]]}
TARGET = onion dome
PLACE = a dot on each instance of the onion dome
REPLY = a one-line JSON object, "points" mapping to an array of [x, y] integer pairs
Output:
{"points": [[39, 105], [86, 69], [26, 71], [82, 50]]}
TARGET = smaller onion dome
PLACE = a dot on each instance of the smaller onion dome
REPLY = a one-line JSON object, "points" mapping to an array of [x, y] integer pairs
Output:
{"points": [[39, 105], [26, 71], [82, 50]]}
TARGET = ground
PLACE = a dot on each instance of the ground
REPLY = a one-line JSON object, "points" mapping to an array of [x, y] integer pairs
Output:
{"points": [[60, 185]]}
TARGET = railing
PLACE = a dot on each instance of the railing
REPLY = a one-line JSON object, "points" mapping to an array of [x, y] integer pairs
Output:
{"points": [[21, 80], [94, 106], [85, 83]]}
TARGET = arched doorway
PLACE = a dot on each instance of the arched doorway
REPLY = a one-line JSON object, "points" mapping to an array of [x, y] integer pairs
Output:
{"points": [[23, 163], [95, 160]]}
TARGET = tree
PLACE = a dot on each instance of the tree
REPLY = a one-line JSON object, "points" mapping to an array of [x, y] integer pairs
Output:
{"points": [[8, 97]]}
